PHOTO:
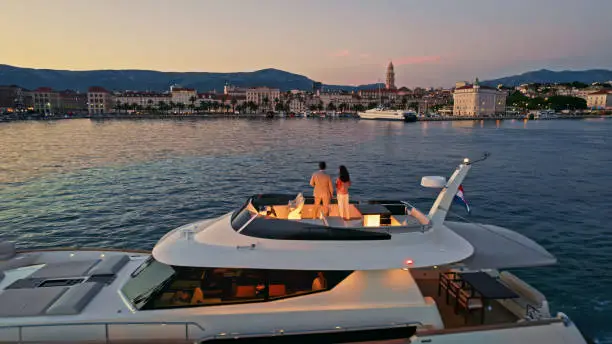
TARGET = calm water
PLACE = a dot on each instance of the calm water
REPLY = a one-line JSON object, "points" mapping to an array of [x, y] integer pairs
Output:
{"points": [[126, 183]]}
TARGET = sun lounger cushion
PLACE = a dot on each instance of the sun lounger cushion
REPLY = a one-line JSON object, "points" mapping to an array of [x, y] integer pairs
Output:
{"points": [[28, 302], [110, 265], [7, 250], [74, 300]]}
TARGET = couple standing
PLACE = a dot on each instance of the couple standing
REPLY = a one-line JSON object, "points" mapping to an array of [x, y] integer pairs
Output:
{"points": [[323, 190]]}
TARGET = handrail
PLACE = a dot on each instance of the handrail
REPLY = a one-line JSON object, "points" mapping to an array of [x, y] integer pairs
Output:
{"points": [[211, 336], [281, 332], [106, 326]]}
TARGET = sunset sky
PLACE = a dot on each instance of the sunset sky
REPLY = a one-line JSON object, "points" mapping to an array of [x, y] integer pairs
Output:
{"points": [[431, 43]]}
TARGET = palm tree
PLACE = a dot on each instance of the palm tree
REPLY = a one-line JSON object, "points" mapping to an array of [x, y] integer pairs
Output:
{"points": [[149, 105], [180, 106], [134, 107], [276, 101], [192, 99], [331, 107], [172, 105], [266, 101], [320, 106], [404, 102], [234, 101], [118, 105]]}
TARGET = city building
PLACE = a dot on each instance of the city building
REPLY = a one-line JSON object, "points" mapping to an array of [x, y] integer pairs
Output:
{"points": [[46, 100], [600, 100], [72, 102], [232, 90], [14, 98], [182, 95], [339, 99], [390, 83], [99, 100], [264, 97], [476, 100], [132, 100]]}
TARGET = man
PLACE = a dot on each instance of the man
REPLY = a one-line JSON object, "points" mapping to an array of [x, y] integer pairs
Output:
{"points": [[323, 189]]}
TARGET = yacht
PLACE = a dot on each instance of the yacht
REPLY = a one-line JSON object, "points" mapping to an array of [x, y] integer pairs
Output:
{"points": [[388, 115], [279, 269]]}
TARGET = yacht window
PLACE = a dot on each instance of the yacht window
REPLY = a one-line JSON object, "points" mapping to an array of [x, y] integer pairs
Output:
{"points": [[146, 282], [160, 286], [241, 218]]}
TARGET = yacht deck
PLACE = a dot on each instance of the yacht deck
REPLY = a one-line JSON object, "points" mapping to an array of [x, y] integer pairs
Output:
{"points": [[496, 315]]}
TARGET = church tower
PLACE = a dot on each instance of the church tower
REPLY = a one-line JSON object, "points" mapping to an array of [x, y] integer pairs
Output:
{"points": [[390, 84]]}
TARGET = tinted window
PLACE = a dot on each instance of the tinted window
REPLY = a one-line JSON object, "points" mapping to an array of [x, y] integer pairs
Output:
{"points": [[188, 287], [293, 230], [240, 218]]}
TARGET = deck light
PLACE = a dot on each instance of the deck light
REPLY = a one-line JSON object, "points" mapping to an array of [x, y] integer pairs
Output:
{"points": [[409, 262], [72, 255], [466, 161]]}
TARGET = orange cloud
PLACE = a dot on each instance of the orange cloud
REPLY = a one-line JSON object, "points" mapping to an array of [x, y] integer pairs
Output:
{"points": [[341, 53], [409, 60]]}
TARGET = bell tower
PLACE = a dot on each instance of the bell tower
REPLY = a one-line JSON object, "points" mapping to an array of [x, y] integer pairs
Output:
{"points": [[390, 84]]}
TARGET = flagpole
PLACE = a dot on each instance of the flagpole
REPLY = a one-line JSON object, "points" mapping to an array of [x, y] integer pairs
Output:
{"points": [[440, 208]]}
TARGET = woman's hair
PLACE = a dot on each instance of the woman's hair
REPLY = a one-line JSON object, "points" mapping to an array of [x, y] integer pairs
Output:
{"points": [[344, 174]]}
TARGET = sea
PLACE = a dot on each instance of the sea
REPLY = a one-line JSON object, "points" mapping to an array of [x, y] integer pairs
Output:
{"points": [[125, 183]]}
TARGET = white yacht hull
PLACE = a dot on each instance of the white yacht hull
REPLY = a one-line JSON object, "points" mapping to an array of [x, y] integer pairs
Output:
{"points": [[382, 116], [362, 301]]}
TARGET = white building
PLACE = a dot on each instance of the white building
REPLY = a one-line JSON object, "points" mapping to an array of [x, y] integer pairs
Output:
{"points": [[99, 100], [600, 100], [142, 99], [476, 100], [336, 98], [263, 96], [181, 95]]}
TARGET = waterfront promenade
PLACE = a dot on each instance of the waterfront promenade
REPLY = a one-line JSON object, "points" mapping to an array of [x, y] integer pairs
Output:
{"points": [[270, 117]]}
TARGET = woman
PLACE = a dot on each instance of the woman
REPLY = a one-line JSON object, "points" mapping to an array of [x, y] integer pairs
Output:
{"points": [[343, 182]]}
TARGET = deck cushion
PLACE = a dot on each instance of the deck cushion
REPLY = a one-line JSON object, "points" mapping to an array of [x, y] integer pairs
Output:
{"points": [[28, 302], [65, 269], [7, 250], [74, 300], [110, 265]]}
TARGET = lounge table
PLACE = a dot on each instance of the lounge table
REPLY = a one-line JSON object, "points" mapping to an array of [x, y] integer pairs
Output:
{"points": [[372, 213], [488, 287]]}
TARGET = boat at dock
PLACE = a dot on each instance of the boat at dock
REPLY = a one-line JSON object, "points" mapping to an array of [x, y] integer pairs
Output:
{"points": [[278, 268], [388, 115]]}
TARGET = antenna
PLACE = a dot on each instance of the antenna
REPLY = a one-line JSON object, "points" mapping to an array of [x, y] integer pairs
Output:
{"points": [[484, 157]]}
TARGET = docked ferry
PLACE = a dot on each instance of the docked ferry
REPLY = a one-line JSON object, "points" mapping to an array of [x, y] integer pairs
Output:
{"points": [[388, 115]]}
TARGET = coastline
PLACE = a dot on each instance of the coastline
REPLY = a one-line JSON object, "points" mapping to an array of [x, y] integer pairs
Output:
{"points": [[203, 116]]}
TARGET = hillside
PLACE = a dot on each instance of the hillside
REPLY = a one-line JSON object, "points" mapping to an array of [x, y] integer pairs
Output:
{"points": [[153, 80], [549, 76]]}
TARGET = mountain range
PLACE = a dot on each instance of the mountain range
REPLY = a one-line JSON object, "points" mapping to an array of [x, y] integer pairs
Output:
{"points": [[154, 80], [31, 78], [544, 76]]}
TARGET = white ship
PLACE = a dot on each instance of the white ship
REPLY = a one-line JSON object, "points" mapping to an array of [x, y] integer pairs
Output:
{"points": [[388, 115], [278, 269]]}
